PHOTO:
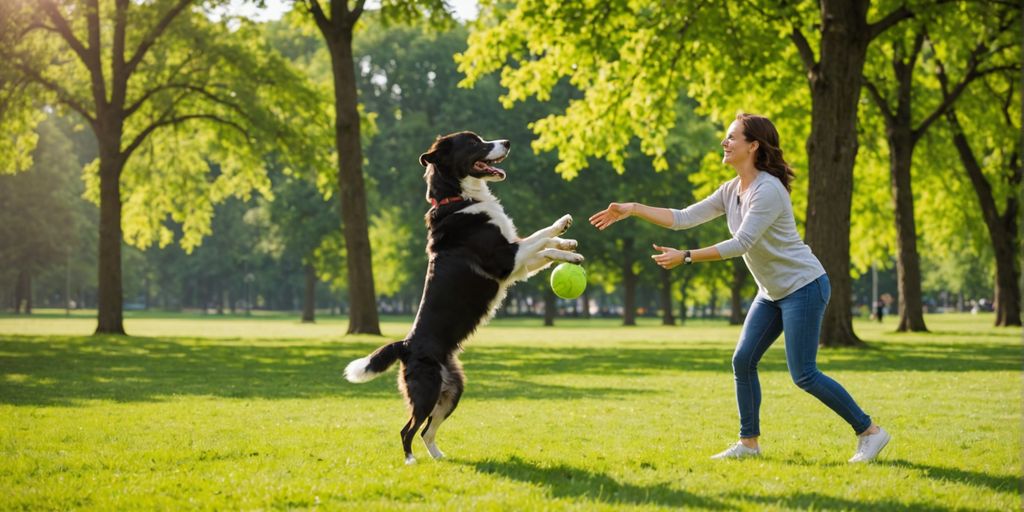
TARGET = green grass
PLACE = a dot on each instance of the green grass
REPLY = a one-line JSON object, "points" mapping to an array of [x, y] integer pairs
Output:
{"points": [[204, 413]]}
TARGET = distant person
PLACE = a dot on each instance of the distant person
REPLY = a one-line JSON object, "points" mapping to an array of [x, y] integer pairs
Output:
{"points": [[793, 288], [879, 310]]}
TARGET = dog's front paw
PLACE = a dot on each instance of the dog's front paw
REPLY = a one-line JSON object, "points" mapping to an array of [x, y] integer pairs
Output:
{"points": [[563, 224], [568, 245]]}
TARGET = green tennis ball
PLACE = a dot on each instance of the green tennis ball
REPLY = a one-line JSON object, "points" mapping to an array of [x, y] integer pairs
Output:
{"points": [[568, 280]]}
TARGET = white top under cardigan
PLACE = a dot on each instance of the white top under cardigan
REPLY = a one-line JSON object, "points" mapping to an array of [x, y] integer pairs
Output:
{"points": [[763, 232]]}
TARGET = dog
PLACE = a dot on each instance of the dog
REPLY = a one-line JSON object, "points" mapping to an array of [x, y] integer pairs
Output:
{"points": [[474, 256]]}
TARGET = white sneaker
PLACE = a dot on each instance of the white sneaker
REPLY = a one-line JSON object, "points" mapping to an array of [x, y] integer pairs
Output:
{"points": [[738, 451], [870, 445]]}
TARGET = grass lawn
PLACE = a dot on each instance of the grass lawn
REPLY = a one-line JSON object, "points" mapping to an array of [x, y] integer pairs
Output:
{"points": [[252, 413]]}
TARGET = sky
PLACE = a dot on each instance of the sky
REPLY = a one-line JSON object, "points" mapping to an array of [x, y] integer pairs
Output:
{"points": [[464, 9]]}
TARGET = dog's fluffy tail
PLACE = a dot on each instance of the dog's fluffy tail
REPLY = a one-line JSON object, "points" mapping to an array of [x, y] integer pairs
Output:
{"points": [[367, 368]]}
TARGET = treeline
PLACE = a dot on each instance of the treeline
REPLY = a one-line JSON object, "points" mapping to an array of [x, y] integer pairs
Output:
{"points": [[285, 253], [225, 181]]}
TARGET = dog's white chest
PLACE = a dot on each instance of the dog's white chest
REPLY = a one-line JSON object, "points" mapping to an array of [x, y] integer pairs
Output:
{"points": [[497, 216]]}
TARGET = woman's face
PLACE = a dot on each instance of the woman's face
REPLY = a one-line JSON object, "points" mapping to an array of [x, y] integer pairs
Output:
{"points": [[736, 150]]}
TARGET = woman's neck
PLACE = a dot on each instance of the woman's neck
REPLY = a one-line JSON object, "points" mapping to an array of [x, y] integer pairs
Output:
{"points": [[747, 174]]}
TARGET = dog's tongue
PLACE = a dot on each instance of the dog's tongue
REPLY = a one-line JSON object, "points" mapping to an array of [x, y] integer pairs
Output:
{"points": [[483, 167]]}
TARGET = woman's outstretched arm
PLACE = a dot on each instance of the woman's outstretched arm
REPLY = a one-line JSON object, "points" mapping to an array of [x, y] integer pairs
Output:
{"points": [[618, 211]]}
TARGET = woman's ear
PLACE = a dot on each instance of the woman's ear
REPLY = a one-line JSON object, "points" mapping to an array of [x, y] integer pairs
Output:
{"points": [[427, 158]]}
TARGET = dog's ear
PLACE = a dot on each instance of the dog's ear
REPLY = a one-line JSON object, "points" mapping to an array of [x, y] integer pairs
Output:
{"points": [[428, 158]]}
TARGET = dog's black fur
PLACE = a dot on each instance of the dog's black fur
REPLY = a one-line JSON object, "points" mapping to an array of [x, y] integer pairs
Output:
{"points": [[474, 255]]}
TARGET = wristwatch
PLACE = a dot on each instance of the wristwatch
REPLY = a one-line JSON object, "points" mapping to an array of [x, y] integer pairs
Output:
{"points": [[686, 258]]}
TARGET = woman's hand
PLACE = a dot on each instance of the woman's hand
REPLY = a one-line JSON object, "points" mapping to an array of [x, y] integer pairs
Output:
{"points": [[669, 258], [614, 213]]}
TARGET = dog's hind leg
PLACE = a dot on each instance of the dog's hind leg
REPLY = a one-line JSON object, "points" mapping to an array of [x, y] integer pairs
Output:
{"points": [[423, 386], [452, 384]]}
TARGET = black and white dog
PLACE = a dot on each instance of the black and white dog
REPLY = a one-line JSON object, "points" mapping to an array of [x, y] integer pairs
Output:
{"points": [[475, 255]]}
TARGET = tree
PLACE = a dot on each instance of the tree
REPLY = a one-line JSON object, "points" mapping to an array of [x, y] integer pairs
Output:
{"points": [[337, 25], [35, 224], [164, 90], [985, 128], [895, 99], [633, 59], [301, 218], [1003, 160]]}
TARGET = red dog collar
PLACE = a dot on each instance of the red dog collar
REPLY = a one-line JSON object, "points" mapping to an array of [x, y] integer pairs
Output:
{"points": [[454, 199]]}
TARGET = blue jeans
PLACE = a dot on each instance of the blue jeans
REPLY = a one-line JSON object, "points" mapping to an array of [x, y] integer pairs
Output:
{"points": [[799, 316]]}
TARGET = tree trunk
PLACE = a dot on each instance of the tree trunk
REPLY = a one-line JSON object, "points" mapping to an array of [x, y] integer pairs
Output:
{"points": [[28, 293], [683, 287], [363, 318], [309, 298], [739, 278], [667, 317], [19, 292], [550, 306], [23, 293], [629, 279], [110, 300], [835, 83], [908, 261], [585, 306], [1002, 229]]}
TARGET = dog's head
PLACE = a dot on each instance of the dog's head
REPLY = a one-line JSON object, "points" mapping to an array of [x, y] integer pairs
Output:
{"points": [[455, 158]]}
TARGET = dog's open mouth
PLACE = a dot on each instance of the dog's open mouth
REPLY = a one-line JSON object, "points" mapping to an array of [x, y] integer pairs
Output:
{"points": [[486, 168]]}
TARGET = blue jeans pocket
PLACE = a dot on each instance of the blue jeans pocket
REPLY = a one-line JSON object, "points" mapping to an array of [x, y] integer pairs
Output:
{"points": [[824, 288]]}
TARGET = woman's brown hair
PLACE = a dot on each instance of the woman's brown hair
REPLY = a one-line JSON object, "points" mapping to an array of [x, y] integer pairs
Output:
{"points": [[769, 155]]}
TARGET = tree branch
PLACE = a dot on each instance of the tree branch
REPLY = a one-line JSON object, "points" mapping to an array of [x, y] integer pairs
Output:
{"points": [[95, 63], [154, 34], [876, 95], [318, 15], [949, 97], [62, 28], [184, 87], [141, 137], [36, 25], [148, 94], [119, 79], [356, 12], [806, 53], [894, 17], [63, 96]]}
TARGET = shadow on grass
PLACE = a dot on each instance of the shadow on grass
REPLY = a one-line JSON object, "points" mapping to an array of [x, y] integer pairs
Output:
{"points": [[998, 483], [630, 360], [565, 481], [65, 370], [816, 501]]}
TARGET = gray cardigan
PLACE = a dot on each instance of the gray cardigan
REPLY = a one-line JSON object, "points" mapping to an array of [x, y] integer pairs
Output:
{"points": [[763, 232]]}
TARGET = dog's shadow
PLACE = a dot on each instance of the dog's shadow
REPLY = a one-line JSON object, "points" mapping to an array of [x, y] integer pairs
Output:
{"points": [[564, 481]]}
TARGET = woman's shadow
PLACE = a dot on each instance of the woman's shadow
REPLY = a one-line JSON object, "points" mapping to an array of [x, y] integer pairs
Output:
{"points": [[565, 481]]}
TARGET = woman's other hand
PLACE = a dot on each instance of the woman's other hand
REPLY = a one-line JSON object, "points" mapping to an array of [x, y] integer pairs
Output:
{"points": [[669, 258], [614, 213]]}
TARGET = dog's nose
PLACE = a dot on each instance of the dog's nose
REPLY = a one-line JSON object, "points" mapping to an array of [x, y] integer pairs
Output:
{"points": [[506, 143]]}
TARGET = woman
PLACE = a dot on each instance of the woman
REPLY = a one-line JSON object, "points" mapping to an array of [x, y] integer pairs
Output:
{"points": [[793, 288]]}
